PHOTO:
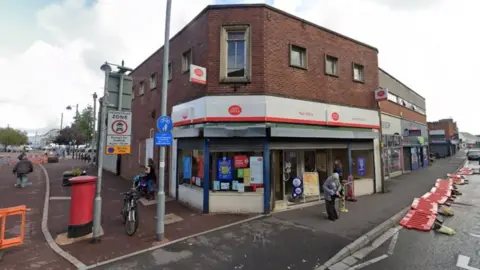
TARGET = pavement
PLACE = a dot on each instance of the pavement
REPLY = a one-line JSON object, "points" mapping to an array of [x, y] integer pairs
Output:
{"points": [[296, 239], [415, 250]]}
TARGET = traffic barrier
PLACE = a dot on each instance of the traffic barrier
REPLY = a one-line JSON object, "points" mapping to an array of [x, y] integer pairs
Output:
{"points": [[12, 211], [418, 220], [435, 197], [442, 191], [421, 204]]}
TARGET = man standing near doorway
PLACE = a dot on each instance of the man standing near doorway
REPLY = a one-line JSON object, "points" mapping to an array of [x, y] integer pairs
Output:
{"points": [[331, 190], [338, 168]]}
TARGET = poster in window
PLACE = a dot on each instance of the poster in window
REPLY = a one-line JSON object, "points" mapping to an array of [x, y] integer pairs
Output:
{"points": [[240, 161], [199, 160], [224, 169], [256, 170], [311, 184], [361, 166], [187, 167]]}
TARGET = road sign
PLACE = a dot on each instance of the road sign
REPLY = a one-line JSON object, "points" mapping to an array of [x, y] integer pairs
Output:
{"points": [[119, 130], [164, 124], [163, 139], [118, 150]]}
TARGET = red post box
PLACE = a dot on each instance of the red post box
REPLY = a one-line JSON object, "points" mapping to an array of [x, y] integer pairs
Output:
{"points": [[81, 205]]}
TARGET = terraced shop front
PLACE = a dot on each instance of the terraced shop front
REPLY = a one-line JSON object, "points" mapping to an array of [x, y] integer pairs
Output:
{"points": [[251, 154]]}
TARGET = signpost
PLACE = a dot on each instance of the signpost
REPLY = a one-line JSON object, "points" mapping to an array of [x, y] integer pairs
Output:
{"points": [[119, 132]]}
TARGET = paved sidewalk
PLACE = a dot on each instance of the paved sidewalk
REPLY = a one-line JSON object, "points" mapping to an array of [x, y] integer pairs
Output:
{"points": [[297, 239], [115, 242], [35, 253]]}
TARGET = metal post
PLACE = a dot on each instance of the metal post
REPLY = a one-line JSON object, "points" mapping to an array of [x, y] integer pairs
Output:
{"points": [[94, 118], [61, 122], [382, 180], [161, 163], [97, 211], [76, 110]]}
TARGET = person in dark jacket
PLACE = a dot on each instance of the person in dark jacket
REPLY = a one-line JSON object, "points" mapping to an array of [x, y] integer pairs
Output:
{"points": [[22, 169], [331, 191]]}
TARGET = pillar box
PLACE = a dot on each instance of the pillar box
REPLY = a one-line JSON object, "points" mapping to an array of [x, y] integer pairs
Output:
{"points": [[81, 205]]}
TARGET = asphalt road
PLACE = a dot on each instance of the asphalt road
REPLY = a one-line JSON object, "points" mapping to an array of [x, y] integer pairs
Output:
{"points": [[415, 250]]}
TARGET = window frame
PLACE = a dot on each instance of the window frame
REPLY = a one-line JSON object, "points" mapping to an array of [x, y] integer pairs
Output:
{"points": [[362, 69], [331, 57], [186, 68], [224, 29], [141, 89], [170, 71], [154, 81], [301, 50]]}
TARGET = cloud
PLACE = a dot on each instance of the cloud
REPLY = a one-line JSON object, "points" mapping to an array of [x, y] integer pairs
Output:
{"points": [[428, 44]]}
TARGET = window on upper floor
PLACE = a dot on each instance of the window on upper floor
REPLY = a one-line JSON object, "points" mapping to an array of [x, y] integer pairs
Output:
{"points": [[331, 65], [235, 53], [186, 60], [392, 97], [153, 81], [298, 56], [358, 73], [141, 90], [170, 71]]}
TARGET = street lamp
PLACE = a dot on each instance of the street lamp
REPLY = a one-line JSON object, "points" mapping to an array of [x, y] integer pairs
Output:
{"points": [[97, 210]]}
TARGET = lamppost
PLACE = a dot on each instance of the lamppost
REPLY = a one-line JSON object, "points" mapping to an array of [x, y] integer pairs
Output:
{"points": [[67, 108], [94, 118]]}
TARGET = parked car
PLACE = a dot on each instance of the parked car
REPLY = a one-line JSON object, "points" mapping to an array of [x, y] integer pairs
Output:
{"points": [[473, 154]]}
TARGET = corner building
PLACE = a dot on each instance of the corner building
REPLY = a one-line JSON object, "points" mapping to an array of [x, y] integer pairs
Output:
{"points": [[284, 98]]}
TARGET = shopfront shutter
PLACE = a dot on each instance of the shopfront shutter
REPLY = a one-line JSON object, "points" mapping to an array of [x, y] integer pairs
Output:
{"points": [[236, 144]]}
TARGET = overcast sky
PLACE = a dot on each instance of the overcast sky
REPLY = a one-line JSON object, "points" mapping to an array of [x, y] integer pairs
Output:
{"points": [[51, 50]]}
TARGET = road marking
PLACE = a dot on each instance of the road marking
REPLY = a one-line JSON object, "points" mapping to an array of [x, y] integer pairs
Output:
{"points": [[463, 262], [372, 261], [391, 247], [475, 235]]}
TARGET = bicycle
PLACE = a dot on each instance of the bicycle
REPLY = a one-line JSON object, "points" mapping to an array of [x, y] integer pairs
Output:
{"points": [[129, 212]]}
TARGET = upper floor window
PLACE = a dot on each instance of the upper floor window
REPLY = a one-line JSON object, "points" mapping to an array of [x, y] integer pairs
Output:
{"points": [[170, 71], [392, 97], [331, 65], [186, 60], [235, 53], [298, 56], [141, 91], [153, 81], [358, 74]]}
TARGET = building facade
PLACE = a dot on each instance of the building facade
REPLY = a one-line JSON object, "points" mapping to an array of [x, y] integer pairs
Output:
{"points": [[444, 137], [284, 103], [406, 140]]}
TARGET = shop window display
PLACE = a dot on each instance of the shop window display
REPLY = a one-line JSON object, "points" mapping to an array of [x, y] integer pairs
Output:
{"points": [[190, 168], [236, 172], [362, 164]]}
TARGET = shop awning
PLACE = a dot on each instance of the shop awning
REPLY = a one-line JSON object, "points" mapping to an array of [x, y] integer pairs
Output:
{"points": [[322, 133]]}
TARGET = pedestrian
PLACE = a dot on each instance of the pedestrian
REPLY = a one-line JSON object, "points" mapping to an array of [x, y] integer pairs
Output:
{"points": [[338, 168], [331, 191], [151, 177], [20, 157], [22, 169]]}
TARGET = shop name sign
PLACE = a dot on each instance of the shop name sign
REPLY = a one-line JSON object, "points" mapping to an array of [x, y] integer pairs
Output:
{"points": [[385, 124]]}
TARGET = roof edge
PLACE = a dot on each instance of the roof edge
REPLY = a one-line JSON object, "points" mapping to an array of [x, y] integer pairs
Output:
{"points": [[397, 80]]}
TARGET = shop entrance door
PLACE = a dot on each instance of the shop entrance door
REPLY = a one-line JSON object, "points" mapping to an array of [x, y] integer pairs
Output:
{"points": [[276, 177]]}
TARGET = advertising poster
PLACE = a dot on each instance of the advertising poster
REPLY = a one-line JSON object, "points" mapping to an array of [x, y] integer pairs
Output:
{"points": [[240, 161], [256, 170], [361, 166], [311, 185], [199, 160], [224, 169], [187, 167]]}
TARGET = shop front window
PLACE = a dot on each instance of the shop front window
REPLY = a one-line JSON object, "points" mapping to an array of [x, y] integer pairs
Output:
{"points": [[362, 164], [394, 160], [190, 168], [236, 171]]}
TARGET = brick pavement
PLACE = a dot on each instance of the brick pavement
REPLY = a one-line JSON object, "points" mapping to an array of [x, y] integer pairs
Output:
{"points": [[297, 239], [35, 253], [115, 242]]}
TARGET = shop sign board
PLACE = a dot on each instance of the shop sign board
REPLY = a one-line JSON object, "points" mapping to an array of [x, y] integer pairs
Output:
{"points": [[119, 124], [271, 109]]}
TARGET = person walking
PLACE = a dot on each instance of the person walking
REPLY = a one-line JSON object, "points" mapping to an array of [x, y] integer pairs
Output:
{"points": [[22, 169], [331, 191]]}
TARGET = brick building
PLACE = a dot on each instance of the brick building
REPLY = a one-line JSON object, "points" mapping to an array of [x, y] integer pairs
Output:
{"points": [[283, 98], [404, 126], [444, 137]]}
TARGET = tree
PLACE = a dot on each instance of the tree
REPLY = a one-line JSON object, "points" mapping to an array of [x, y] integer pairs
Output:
{"points": [[83, 125], [65, 136], [11, 136]]}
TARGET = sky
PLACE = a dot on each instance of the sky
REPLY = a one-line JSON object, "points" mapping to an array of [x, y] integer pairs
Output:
{"points": [[51, 50]]}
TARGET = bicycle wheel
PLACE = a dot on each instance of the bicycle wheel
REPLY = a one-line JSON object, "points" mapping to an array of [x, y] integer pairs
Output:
{"points": [[132, 221], [124, 212]]}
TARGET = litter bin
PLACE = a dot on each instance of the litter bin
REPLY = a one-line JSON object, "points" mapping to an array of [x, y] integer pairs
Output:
{"points": [[81, 205]]}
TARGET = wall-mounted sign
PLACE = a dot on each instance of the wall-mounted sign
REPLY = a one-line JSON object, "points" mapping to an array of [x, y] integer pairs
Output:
{"points": [[381, 94], [198, 74]]}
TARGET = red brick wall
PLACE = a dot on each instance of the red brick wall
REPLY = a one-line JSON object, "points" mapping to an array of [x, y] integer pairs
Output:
{"points": [[400, 111], [447, 126], [271, 34]]}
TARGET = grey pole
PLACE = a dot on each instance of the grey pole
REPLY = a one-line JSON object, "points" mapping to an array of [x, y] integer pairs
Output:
{"points": [[61, 121], [97, 211], [94, 118], [161, 165]]}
